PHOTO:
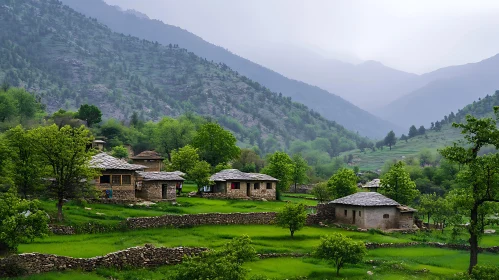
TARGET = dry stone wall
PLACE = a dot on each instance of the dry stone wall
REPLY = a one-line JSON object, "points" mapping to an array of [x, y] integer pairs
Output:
{"points": [[146, 256]]}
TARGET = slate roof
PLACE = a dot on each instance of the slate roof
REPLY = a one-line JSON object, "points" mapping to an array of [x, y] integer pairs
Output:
{"points": [[376, 183], [105, 161], [366, 199], [234, 174], [148, 155], [159, 176]]}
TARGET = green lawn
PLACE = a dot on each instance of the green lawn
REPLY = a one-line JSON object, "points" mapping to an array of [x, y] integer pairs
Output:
{"points": [[113, 214], [389, 263], [266, 238]]}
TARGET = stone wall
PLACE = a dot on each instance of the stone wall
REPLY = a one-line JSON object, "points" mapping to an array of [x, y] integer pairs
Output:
{"points": [[146, 256], [153, 190]]}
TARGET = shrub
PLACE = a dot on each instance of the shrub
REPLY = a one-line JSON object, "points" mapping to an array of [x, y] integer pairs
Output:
{"points": [[485, 272]]}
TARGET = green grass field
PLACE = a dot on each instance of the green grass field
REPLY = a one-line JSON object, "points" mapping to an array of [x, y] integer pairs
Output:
{"points": [[370, 160], [387, 263]]}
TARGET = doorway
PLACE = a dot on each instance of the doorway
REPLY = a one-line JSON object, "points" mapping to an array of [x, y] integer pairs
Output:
{"points": [[164, 189], [353, 215], [248, 189]]}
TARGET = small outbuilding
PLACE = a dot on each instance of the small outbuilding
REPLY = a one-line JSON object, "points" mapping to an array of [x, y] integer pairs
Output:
{"points": [[372, 210], [157, 185], [232, 183], [152, 159]]}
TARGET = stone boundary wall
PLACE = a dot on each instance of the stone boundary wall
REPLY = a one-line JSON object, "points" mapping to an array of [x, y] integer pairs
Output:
{"points": [[463, 247], [146, 256]]}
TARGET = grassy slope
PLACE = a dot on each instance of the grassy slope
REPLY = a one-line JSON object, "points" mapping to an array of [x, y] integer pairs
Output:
{"points": [[370, 160]]}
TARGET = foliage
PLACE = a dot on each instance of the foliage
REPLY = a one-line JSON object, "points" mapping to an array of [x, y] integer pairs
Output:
{"points": [[299, 172], [342, 183], [340, 250], [200, 174], [225, 263], [173, 134], [292, 217], [390, 139], [184, 159], [215, 144], [89, 113], [248, 161], [485, 272], [280, 166], [65, 151], [397, 184], [20, 221], [119, 151], [322, 192]]}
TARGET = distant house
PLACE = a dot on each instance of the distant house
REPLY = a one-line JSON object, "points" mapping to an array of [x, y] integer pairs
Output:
{"points": [[121, 180], [151, 159], [372, 186], [98, 144], [232, 183], [372, 210]]}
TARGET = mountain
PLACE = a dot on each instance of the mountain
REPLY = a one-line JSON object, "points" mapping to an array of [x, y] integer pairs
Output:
{"points": [[68, 59], [329, 105], [445, 90], [369, 84]]}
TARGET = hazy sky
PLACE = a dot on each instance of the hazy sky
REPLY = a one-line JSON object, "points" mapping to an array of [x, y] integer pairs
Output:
{"points": [[416, 36]]}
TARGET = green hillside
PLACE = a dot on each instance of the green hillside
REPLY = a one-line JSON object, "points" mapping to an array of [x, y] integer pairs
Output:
{"points": [[67, 60]]}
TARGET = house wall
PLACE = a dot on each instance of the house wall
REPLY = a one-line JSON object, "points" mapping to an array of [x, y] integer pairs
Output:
{"points": [[242, 192], [339, 213], [406, 220], [374, 217], [263, 192], [120, 191], [153, 190], [154, 165]]}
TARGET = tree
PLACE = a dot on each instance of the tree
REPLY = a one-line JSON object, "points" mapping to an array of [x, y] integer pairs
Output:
{"points": [[321, 192], [28, 168], [426, 157], [173, 134], [380, 145], [427, 205], [65, 151], [248, 161], [390, 139], [20, 221], [292, 217], [119, 152], [397, 184], [25, 102], [438, 126], [443, 211], [216, 145], [184, 159], [89, 113], [225, 263], [200, 174], [340, 250], [413, 131], [299, 172], [8, 108], [421, 130], [404, 138], [342, 183], [280, 166], [479, 175]]}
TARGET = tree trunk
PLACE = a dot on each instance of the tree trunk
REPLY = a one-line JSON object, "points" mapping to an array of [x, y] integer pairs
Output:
{"points": [[473, 238], [338, 270], [60, 217], [295, 187], [428, 220], [292, 233]]}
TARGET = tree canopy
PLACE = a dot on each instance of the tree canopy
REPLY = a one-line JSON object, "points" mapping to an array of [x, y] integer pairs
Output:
{"points": [[216, 145], [342, 183], [340, 250], [280, 166], [397, 184], [89, 113], [292, 217]]}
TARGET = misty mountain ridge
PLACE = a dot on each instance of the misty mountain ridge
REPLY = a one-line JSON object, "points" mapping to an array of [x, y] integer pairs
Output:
{"points": [[329, 105]]}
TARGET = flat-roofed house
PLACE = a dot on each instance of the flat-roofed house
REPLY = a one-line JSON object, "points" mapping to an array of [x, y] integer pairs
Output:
{"points": [[118, 178], [372, 210], [232, 183], [152, 159]]}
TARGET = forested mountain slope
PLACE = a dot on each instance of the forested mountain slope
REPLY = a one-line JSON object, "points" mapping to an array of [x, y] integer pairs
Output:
{"points": [[329, 105], [68, 59]]}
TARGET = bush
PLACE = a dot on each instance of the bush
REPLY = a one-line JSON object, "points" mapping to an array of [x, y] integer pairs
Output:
{"points": [[485, 272]]}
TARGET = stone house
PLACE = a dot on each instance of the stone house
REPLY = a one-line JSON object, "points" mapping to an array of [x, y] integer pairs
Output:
{"points": [[372, 210], [372, 186], [151, 159], [232, 183], [157, 185], [121, 180]]}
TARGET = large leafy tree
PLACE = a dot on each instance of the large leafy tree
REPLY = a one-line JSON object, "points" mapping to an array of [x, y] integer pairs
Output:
{"points": [[25, 102], [65, 151], [248, 161], [89, 113], [300, 168], [28, 168], [172, 134], [184, 159], [479, 176], [397, 184], [321, 192], [292, 217], [216, 145], [390, 139], [343, 183], [340, 250], [200, 174], [20, 221], [8, 108], [413, 131], [280, 166]]}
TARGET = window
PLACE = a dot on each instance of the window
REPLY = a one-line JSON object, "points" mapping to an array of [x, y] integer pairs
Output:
{"points": [[269, 186], [116, 179], [386, 216], [256, 186], [360, 214], [346, 212], [105, 179], [126, 179], [235, 185]]}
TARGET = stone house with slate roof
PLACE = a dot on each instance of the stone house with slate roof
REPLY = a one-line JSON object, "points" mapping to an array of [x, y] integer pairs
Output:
{"points": [[121, 180], [232, 183], [372, 210], [151, 159]]}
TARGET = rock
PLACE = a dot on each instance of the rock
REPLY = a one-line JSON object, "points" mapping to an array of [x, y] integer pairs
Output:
{"points": [[100, 214], [86, 208], [263, 199], [370, 273], [489, 231]]}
